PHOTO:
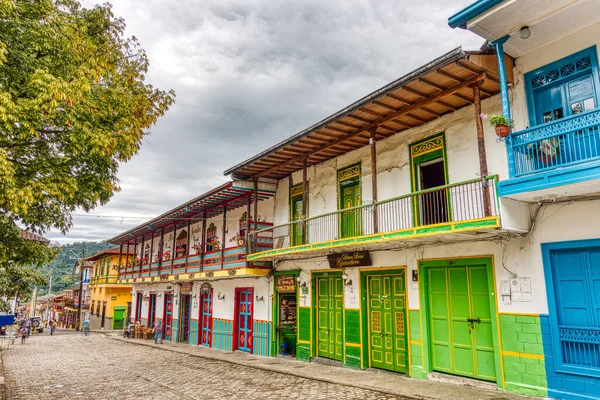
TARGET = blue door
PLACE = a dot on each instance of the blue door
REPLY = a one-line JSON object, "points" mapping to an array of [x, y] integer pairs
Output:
{"points": [[576, 276], [244, 319]]}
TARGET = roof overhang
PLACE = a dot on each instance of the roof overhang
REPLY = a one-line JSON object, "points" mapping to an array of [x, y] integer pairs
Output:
{"points": [[425, 94], [547, 20], [230, 196]]}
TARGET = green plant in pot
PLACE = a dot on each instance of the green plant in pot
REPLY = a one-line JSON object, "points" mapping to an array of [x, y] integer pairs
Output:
{"points": [[501, 124], [546, 150]]}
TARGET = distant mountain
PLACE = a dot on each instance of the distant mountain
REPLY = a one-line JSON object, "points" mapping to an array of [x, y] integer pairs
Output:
{"points": [[63, 265]]}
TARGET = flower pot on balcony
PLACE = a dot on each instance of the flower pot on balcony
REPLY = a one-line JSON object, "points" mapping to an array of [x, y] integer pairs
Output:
{"points": [[546, 159], [216, 247], [502, 130]]}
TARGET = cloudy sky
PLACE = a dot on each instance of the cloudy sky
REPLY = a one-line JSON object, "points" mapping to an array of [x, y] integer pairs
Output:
{"points": [[250, 73]]}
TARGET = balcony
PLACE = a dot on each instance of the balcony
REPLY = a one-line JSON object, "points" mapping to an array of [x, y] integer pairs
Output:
{"points": [[223, 262], [445, 210], [104, 280], [563, 152]]}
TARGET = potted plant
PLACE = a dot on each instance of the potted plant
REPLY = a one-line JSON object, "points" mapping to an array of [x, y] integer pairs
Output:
{"points": [[239, 239], [197, 247], [167, 255], [546, 150], [216, 245], [501, 124]]}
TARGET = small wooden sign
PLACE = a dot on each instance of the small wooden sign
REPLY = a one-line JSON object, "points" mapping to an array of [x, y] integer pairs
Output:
{"points": [[286, 284], [186, 288], [113, 297], [346, 260]]}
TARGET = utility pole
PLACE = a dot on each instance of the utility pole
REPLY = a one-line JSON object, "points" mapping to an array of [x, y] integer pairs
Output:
{"points": [[80, 289], [49, 294], [33, 302]]}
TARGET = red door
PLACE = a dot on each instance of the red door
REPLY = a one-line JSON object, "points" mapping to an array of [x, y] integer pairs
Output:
{"points": [[243, 320], [205, 338], [168, 315]]}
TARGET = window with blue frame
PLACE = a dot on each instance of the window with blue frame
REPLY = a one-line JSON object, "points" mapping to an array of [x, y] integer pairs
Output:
{"points": [[572, 271], [563, 88]]}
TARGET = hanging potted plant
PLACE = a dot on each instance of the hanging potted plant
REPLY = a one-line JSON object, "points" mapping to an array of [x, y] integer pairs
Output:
{"points": [[501, 124], [216, 245]]}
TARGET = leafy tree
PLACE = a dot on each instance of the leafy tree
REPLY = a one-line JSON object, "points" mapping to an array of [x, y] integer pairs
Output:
{"points": [[73, 105]]}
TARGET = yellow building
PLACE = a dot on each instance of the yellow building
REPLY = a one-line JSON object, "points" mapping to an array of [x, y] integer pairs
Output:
{"points": [[110, 301]]}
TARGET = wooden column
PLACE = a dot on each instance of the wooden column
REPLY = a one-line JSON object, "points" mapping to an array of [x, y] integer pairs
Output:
{"points": [[173, 254], [161, 248], [187, 248], [151, 251], [142, 255], [374, 179], [255, 215], [203, 239], [248, 209], [223, 234], [483, 169], [304, 162]]}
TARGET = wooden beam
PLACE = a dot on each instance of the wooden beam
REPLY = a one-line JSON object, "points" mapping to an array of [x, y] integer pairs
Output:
{"points": [[255, 214], [432, 84], [449, 75], [223, 233], [392, 115], [304, 188], [386, 106], [460, 96], [399, 99], [371, 112], [416, 92]]}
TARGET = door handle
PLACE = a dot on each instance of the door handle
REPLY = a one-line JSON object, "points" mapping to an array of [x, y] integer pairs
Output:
{"points": [[471, 320]]}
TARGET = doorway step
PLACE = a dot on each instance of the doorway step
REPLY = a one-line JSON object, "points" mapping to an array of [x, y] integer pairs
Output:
{"points": [[327, 361], [460, 380]]}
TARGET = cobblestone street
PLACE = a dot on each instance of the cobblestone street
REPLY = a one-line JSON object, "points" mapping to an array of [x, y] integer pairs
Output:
{"points": [[96, 367]]}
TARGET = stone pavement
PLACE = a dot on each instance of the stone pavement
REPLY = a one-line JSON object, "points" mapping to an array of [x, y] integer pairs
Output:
{"points": [[102, 366], [393, 384]]}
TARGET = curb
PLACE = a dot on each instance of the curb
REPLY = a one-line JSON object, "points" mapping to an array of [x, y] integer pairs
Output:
{"points": [[406, 396]]}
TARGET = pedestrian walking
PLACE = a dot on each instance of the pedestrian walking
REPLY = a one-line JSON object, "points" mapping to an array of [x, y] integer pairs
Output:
{"points": [[28, 326], [86, 327], [129, 330], [158, 331], [52, 327], [23, 333]]}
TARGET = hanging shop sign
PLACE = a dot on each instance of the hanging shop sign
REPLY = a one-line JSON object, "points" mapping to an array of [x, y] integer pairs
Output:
{"points": [[186, 288], [286, 284], [205, 288], [287, 310], [347, 260]]}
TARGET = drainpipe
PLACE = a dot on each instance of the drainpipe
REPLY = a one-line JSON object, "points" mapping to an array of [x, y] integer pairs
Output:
{"points": [[499, 45]]}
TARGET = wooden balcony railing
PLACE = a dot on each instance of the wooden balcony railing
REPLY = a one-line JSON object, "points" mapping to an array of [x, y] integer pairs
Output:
{"points": [[459, 202]]}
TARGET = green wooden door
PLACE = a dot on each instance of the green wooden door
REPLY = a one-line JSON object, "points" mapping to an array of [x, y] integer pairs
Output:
{"points": [[387, 333], [118, 317], [350, 197], [460, 320], [296, 216], [329, 316]]}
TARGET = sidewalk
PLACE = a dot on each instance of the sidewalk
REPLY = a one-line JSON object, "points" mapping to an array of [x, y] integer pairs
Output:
{"points": [[389, 383]]}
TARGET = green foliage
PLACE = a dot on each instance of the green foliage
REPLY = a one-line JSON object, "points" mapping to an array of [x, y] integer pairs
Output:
{"points": [[73, 105], [496, 120], [63, 265]]}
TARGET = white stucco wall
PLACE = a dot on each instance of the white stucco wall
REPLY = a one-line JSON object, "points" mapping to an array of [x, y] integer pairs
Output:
{"points": [[553, 51], [556, 222], [393, 163]]}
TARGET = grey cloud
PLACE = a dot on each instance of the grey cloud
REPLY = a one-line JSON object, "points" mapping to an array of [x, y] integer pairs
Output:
{"points": [[249, 73]]}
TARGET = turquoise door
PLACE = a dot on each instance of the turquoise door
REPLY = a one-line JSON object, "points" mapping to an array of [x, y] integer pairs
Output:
{"points": [[168, 317], [576, 276]]}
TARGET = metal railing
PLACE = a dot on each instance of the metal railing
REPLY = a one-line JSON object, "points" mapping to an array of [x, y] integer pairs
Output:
{"points": [[561, 143], [580, 346], [456, 202], [97, 280]]}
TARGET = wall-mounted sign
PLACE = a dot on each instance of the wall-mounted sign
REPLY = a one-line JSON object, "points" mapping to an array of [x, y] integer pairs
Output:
{"points": [[146, 298], [186, 288], [113, 297], [346, 260], [287, 310], [205, 288], [153, 292], [286, 284]]}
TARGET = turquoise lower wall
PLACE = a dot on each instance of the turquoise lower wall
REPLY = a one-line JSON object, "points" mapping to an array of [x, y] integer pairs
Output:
{"points": [[261, 336], [193, 332], [222, 338]]}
